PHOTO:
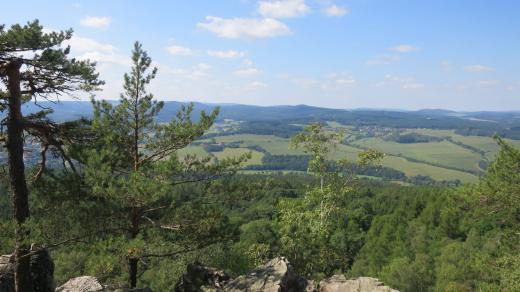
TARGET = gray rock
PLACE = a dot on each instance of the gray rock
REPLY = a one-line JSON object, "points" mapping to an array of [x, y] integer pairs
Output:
{"points": [[42, 271], [6, 273], [309, 285], [133, 290], [276, 275], [338, 283], [81, 284], [199, 277]]}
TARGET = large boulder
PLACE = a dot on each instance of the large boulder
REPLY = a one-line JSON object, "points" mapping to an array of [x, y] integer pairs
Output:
{"points": [[338, 283], [92, 284], [42, 271], [199, 277], [131, 290], [6, 273], [276, 275], [81, 284]]}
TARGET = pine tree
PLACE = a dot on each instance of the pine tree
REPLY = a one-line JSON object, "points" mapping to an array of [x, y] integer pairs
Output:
{"points": [[34, 65], [132, 166]]}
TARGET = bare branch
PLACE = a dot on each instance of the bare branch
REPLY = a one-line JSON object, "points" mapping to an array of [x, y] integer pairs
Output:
{"points": [[179, 252], [37, 176]]}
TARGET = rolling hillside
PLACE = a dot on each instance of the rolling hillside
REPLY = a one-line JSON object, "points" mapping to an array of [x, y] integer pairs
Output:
{"points": [[439, 144]]}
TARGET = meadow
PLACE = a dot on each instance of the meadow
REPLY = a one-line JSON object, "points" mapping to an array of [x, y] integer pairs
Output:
{"points": [[450, 157]]}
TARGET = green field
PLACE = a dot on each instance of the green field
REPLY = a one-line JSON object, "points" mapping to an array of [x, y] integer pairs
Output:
{"points": [[437, 173], [272, 144], [280, 146], [256, 157], [453, 157], [486, 144], [438, 153], [344, 151], [431, 132], [196, 150]]}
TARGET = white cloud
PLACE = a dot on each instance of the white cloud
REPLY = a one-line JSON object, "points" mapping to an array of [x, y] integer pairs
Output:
{"points": [[256, 85], [96, 22], [81, 44], [203, 66], [306, 82], [235, 28], [247, 72], [338, 81], [198, 71], [397, 79], [408, 83], [413, 85], [345, 81], [87, 48], [226, 54], [383, 60], [513, 87], [446, 64], [405, 48], [342, 78], [478, 69], [179, 50], [103, 57], [488, 83], [335, 11], [283, 8], [247, 62]]}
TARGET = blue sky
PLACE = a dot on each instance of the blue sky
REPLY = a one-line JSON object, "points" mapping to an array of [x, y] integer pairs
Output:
{"points": [[405, 54]]}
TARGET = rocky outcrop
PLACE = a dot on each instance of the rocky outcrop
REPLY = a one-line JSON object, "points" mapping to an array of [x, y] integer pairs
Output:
{"points": [[275, 276], [91, 284], [81, 284], [338, 283], [42, 271], [6, 273], [198, 276]]}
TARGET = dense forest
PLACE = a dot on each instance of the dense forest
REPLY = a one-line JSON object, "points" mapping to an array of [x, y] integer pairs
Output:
{"points": [[125, 208]]}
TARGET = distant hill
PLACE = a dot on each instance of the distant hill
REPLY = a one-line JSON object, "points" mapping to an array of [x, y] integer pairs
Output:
{"points": [[474, 123], [68, 110]]}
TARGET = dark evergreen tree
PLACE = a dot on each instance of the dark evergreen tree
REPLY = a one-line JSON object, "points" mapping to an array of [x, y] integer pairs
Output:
{"points": [[34, 65]]}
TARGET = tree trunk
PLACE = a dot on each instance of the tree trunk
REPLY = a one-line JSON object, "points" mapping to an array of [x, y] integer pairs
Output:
{"points": [[15, 143], [132, 270], [132, 261]]}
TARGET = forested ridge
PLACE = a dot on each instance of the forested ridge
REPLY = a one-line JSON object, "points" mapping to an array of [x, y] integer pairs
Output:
{"points": [[126, 207]]}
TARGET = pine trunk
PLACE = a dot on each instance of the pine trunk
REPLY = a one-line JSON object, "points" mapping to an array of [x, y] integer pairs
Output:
{"points": [[132, 270], [20, 193], [132, 261]]}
